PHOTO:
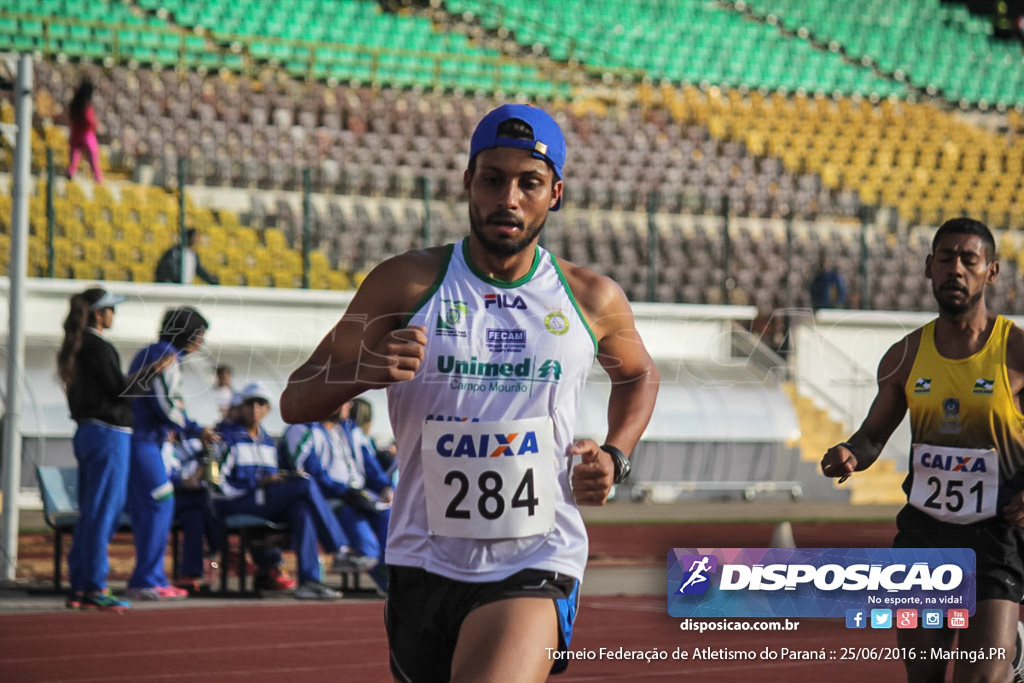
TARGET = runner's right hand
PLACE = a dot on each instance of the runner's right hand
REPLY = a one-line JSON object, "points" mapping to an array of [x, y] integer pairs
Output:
{"points": [[838, 462], [396, 357]]}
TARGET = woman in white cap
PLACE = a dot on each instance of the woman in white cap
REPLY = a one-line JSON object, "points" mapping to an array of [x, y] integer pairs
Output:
{"points": [[98, 397]]}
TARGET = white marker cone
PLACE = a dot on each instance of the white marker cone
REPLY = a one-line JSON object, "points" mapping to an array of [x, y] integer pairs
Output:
{"points": [[782, 536]]}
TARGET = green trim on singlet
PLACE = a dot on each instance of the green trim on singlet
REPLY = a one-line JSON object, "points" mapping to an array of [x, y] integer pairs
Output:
{"points": [[572, 298], [504, 284], [442, 271]]}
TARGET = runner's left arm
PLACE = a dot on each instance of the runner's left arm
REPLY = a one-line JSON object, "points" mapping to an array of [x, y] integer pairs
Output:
{"points": [[884, 415], [634, 385]]}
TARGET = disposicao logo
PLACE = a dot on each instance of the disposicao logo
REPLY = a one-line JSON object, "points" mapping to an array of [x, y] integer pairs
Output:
{"points": [[695, 581], [825, 582]]}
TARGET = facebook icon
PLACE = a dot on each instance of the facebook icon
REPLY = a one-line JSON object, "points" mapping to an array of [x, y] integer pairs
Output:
{"points": [[856, 618]]}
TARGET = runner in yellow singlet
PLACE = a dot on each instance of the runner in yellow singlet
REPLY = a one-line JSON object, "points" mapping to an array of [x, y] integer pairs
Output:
{"points": [[961, 377]]}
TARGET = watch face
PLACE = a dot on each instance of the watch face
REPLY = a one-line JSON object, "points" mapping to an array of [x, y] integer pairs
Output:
{"points": [[622, 469]]}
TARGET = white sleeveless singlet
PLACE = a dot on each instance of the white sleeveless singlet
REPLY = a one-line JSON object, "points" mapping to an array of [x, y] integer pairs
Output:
{"points": [[484, 429]]}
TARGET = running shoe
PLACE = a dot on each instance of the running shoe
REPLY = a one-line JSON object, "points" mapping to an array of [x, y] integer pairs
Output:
{"points": [[346, 561], [314, 590], [171, 593], [74, 600], [146, 594], [104, 601], [275, 579], [153, 593]]}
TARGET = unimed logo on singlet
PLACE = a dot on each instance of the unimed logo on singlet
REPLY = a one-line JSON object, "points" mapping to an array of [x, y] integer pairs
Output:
{"points": [[549, 370], [474, 374]]}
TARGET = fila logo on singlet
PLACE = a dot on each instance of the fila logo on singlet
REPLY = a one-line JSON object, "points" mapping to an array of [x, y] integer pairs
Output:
{"points": [[504, 301]]}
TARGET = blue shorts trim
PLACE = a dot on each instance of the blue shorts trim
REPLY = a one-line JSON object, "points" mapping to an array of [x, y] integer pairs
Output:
{"points": [[567, 608]]}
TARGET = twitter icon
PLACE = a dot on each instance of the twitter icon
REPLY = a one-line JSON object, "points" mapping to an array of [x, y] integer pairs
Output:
{"points": [[881, 618]]}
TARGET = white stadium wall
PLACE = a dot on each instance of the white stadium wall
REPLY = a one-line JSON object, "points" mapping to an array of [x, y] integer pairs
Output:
{"points": [[707, 396]]}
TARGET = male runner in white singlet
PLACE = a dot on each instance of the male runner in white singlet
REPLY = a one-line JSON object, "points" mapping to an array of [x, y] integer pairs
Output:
{"points": [[484, 347]]}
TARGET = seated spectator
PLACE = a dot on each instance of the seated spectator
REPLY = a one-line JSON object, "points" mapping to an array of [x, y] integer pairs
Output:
{"points": [[250, 483], [319, 440], [362, 414], [193, 473], [338, 456]]}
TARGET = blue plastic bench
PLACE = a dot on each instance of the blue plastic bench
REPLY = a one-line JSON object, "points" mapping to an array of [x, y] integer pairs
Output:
{"points": [[58, 487]]}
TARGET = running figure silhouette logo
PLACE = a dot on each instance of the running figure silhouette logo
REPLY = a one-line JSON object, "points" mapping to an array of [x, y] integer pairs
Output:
{"points": [[696, 580]]}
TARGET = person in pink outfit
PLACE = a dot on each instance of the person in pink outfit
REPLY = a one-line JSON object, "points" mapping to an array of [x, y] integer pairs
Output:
{"points": [[82, 119]]}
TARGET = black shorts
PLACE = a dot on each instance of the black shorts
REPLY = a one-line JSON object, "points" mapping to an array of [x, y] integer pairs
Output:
{"points": [[999, 549], [424, 613]]}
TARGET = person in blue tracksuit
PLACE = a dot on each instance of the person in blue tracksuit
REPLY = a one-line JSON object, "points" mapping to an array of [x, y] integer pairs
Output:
{"points": [[98, 397], [362, 414], [157, 411], [189, 469], [340, 457], [251, 483]]}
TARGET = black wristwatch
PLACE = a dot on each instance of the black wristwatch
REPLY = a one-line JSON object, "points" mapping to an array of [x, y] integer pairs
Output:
{"points": [[620, 461]]}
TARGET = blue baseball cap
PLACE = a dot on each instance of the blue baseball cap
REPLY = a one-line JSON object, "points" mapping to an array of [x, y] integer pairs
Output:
{"points": [[548, 143]]}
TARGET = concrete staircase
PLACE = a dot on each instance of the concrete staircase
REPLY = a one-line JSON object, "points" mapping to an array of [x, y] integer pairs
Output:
{"points": [[878, 485]]}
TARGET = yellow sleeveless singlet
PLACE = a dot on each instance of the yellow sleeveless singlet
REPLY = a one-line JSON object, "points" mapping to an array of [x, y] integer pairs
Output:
{"points": [[966, 403]]}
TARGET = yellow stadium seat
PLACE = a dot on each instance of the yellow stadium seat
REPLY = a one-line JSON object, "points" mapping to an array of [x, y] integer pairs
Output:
{"points": [[122, 252], [116, 272], [283, 280], [103, 231], [216, 237], [92, 251], [80, 270], [234, 257], [338, 280], [274, 239], [131, 232], [246, 237], [141, 272], [256, 277], [230, 276]]}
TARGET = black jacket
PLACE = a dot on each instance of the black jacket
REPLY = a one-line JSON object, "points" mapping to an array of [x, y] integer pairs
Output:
{"points": [[168, 268], [100, 389]]}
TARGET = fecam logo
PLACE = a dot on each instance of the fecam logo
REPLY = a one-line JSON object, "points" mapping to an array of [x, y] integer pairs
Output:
{"points": [[695, 579]]}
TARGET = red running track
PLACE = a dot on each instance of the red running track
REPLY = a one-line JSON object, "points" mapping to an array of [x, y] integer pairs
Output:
{"points": [[274, 641], [345, 642]]}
